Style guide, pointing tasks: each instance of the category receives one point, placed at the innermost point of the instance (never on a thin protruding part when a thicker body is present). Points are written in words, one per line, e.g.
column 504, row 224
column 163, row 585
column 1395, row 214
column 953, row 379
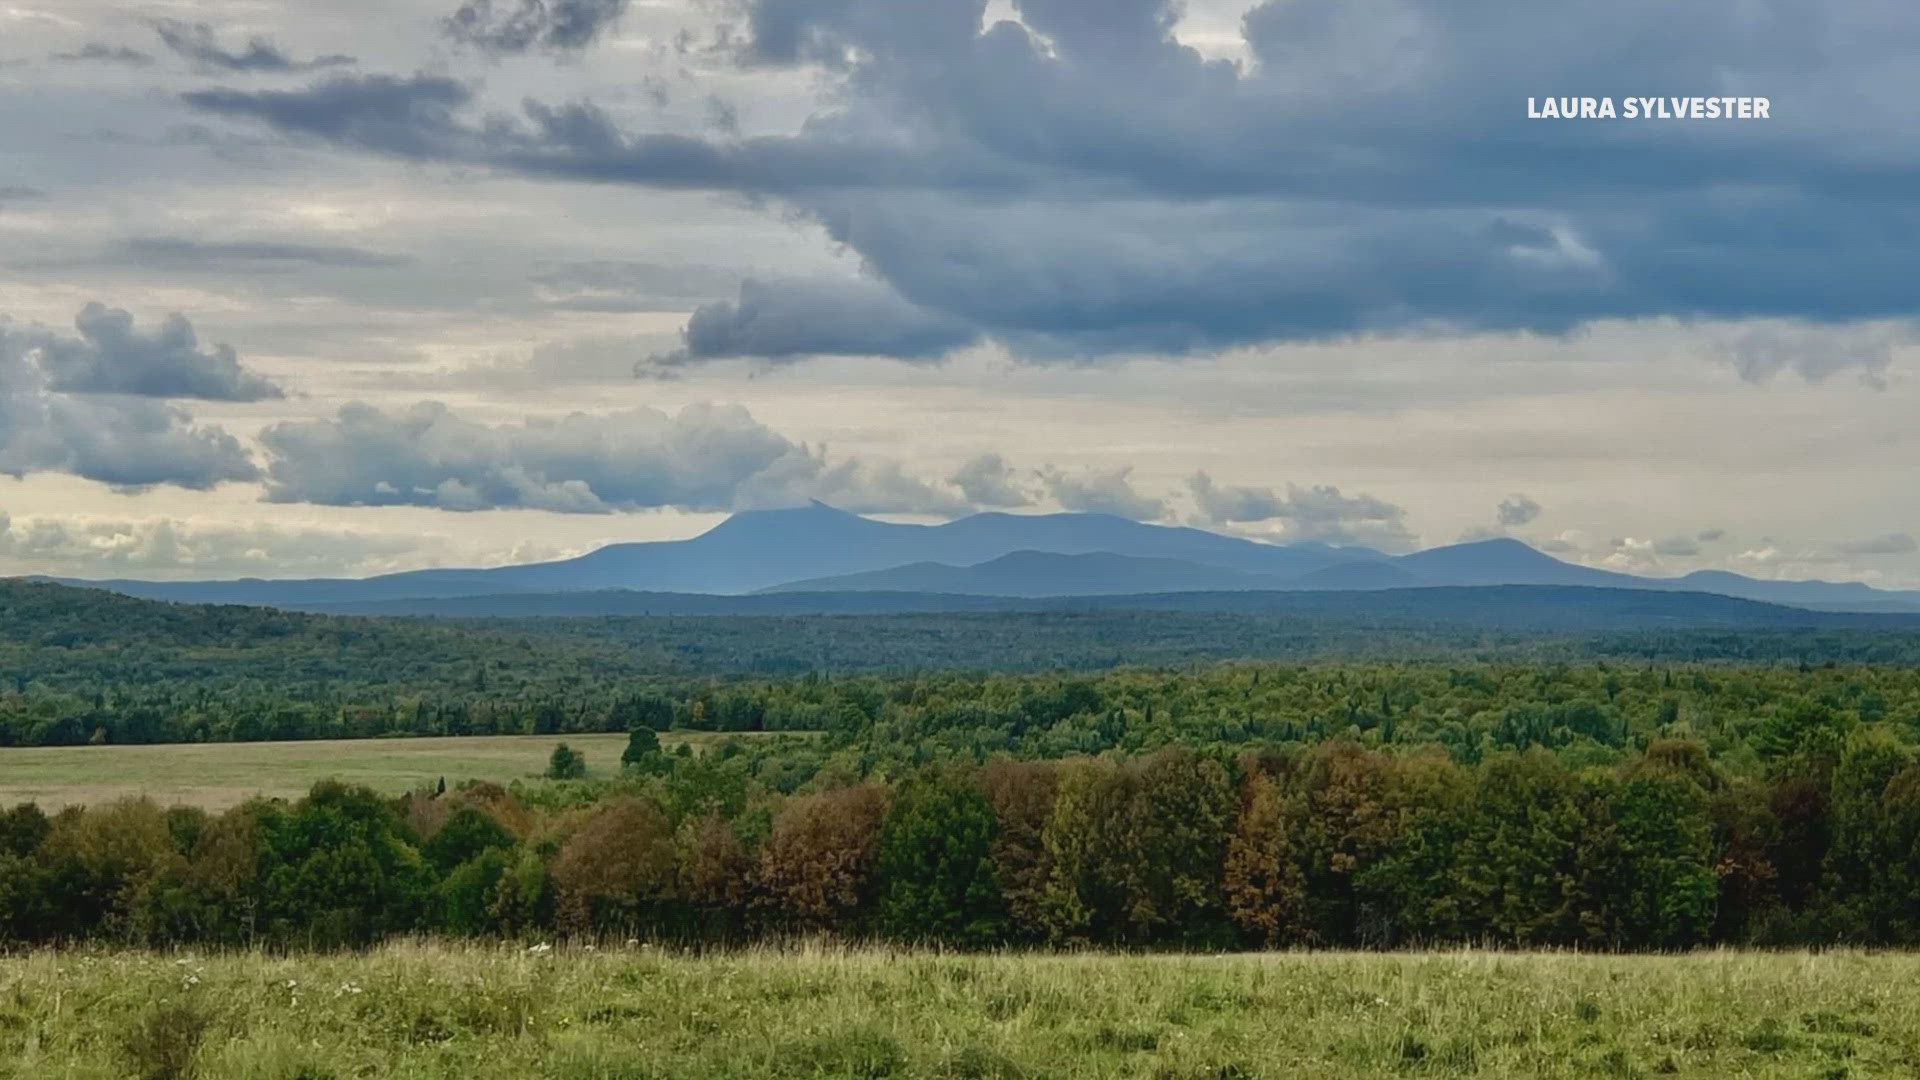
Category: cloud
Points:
column 1517, row 510
column 1816, row 354
column 129, row 444
column 182, row 253
column 532, row 25
column 703, row 458
column 72, row 406
column 1658, row 556
column 579, row 361
column 411, row 117
column 167, row 546
column 103, row 53
column 111, row 357
column 1102, row 491
column 1319, row 512
column 1570, row 542
column 1677, row 547
column 629, row 285
column 1232, row 505
column 196, row 42
column 1080, row 183
column 126, row 443
column 784, row 320
column 858, row 485
column 987, row 480
column 19, row 193
column 1889, row 544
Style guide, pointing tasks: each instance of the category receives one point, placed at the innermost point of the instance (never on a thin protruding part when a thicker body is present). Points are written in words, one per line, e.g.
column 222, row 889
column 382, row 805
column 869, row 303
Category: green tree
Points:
column 1864, row 842
column 1647, row 861
column 338, row 869
column 1518, row 872
column 936, row 865
column 566, row 764
column 643, row 752
column 465, row 834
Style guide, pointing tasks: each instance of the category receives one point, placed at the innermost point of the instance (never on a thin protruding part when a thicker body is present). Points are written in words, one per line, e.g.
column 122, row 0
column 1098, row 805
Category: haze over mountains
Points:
column 820, row 550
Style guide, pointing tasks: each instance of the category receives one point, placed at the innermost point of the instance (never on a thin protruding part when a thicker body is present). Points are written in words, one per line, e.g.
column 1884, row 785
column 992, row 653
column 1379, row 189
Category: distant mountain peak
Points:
column 812, row 512
column 1498, row 543
column 1503, row 547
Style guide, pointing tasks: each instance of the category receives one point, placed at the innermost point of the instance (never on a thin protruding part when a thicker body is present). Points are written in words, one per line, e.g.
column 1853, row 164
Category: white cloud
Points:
column 1101, row 490
column 1319, row 512
column 704, row 458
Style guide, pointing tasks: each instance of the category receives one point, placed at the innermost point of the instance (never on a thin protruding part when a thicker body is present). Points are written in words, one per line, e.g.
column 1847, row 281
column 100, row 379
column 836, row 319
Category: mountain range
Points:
column 817, row 549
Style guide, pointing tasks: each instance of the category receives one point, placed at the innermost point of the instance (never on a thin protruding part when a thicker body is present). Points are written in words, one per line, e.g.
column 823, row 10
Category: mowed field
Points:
column 219, row 775
column 480, row 1013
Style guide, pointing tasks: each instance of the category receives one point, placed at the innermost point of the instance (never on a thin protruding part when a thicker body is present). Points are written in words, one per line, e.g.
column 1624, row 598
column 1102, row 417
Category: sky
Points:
column 292, row 288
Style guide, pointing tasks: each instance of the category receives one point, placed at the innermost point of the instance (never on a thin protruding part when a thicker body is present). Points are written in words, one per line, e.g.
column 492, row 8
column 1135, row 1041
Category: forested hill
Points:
column 80, row 665
column 1557, row 608
column 56, row 637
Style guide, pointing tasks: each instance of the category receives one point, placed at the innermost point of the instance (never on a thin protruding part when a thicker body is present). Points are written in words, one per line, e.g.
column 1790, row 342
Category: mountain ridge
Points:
column 1558, row 608
column 812, row 547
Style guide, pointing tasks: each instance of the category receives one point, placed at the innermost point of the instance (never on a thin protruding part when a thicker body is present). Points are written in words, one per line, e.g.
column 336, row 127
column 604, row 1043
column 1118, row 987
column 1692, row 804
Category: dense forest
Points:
column 79, row 666
column 1334, row 843
column 1666, row 791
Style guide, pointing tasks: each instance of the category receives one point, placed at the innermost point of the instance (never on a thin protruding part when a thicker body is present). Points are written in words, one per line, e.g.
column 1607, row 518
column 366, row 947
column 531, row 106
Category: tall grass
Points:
column 432, row 1010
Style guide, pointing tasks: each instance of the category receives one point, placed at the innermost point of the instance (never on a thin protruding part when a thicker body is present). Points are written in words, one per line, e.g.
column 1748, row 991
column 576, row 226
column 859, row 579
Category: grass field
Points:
column 219, row 775
column 430, row 1011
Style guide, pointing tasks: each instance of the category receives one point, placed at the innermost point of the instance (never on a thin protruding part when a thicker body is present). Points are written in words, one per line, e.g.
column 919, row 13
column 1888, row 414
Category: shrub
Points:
column 566, row 764
column 163, row 1044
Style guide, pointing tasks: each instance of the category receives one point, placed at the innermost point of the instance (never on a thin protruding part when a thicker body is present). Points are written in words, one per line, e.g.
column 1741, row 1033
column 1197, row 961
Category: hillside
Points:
column 761, row 549
column 1045, row 573
column 1539, row 608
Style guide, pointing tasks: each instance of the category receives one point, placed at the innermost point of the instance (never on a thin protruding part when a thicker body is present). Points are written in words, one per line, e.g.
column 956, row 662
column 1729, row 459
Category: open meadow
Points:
column 425, row 1011
column 214, row 776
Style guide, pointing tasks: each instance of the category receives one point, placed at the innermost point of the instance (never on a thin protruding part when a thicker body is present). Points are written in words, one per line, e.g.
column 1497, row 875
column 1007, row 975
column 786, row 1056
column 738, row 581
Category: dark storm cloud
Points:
column 104, row 53
column 126, row 443
column 111, row 356
column 703, row 458
column 73, row 407
column 788, row 319
column 510, row 28
column 182, row 253
column 409, row 117
column 1080, row 183
column 196, row 42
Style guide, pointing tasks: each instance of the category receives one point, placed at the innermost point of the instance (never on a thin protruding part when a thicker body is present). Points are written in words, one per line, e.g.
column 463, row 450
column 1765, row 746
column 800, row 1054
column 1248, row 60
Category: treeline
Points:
column 1599, row 713
column 62, row 647
column 1332, row 844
